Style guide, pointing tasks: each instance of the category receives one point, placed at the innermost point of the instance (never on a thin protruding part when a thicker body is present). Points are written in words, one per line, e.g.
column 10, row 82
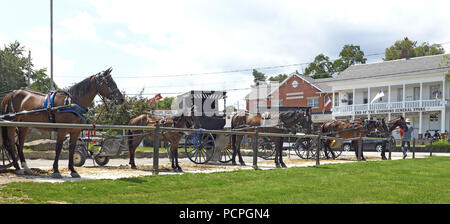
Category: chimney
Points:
column 404, row 53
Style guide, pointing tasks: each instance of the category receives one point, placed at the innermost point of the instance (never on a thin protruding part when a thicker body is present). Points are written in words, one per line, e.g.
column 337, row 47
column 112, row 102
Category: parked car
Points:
column 370, row 145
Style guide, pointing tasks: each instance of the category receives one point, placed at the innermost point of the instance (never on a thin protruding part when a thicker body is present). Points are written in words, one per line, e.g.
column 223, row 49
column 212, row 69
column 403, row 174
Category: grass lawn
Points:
column 397, row 181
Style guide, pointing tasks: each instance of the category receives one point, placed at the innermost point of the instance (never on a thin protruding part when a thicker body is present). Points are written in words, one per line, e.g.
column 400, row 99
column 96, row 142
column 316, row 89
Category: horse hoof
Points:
column 283, row 165
column 57, row 176
column 384, row 158
column 20, row 172
column 233, row 163
column 28, row 172
column 180, row 170
column 133, row 167
column 277, row 165
column 243, row 164
column 75, row 175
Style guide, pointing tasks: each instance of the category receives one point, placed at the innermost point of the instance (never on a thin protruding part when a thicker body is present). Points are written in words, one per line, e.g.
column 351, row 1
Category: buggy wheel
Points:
column 266, row 148
column 226, row 155
column 101, row 160
column 79, row 156
column 303, row 148
column 199, row 147
column 6, row 160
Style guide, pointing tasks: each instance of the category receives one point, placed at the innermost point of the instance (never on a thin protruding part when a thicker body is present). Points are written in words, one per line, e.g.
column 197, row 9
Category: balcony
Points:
column 393, row 107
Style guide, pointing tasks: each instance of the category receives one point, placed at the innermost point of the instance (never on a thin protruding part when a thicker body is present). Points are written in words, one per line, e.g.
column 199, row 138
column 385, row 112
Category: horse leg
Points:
column 72, row 144
column 241, row 160
column 234, row 147
column 383, row 151
column 326, row 144
column 362, row 152
column 277, row 164
column 59, row 142
column 280, row 151
column 9, row 141
column 21, row 139
column 174, row 147
column 133, row 143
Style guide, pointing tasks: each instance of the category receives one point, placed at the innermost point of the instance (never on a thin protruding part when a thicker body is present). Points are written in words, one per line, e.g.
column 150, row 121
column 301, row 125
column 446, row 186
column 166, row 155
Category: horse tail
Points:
column 4, row 130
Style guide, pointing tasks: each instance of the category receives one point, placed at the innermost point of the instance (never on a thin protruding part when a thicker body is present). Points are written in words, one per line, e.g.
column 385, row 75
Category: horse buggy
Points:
column 203, row 109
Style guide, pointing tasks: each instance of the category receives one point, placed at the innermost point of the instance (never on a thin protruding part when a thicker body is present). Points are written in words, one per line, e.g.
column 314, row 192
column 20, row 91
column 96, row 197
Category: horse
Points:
column 81, row 95
column 135, row 137
column 287, row 121
column 353, row 129
column 365, row 128
column 384, row 130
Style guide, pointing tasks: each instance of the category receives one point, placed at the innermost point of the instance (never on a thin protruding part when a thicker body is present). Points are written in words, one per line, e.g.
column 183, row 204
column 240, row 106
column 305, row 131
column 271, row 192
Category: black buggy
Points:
column 203, row 106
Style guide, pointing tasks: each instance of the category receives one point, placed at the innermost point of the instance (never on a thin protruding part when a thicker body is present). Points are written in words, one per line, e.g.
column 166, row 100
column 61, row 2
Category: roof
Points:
column 403, row 67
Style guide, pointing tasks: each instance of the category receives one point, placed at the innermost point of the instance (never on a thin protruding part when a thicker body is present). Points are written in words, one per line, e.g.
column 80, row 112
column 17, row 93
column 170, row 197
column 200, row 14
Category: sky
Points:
column 171, row 47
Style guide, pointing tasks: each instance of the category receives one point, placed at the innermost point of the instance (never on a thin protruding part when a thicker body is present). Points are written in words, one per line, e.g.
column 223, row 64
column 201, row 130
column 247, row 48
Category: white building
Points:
column 416, row 88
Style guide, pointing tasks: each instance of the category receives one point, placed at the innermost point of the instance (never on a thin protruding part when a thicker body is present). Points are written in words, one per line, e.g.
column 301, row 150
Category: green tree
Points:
column 395, row 51
column 165, row 103
column 349, row 55
column 41, row 81
column 321, row 67
column 12, row 66
column 278, row 78
column 258, row 76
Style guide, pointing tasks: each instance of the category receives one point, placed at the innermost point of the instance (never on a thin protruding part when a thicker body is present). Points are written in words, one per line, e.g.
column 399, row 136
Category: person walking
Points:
column 406, row 138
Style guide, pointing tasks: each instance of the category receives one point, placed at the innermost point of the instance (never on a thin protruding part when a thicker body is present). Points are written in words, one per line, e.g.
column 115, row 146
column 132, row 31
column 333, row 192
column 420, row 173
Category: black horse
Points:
column 287, row 122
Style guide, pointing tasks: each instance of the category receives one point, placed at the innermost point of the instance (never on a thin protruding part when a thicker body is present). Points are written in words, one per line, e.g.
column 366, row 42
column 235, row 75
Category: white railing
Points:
column 427, row 104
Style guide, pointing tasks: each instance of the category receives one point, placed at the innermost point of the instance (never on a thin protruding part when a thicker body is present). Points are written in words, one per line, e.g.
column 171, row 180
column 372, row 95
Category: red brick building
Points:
column 296, row 91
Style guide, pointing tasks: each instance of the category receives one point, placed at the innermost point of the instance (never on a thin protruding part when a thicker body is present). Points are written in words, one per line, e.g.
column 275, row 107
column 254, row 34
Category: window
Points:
column 313, row 102
column 350, row 98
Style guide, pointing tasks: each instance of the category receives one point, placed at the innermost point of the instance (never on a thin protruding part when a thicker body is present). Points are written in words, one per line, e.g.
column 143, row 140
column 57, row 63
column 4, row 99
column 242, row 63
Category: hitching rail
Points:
column 157, row 129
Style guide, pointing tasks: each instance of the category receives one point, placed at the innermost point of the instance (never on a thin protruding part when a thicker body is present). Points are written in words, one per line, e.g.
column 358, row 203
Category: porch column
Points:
column 389, row 116
column 353, row 101
column 368, row 99
column 442, row 121
column 420, row 123
column 404, row 92
column 443, row 92
column 389, row 97
column 332, row 103
column 420, row 92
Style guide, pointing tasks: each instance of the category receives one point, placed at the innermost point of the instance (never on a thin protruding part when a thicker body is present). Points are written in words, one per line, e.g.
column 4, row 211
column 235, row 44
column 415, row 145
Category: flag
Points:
column 156, row 98
column 378, row 96
column 327, row 102
column 437, row 93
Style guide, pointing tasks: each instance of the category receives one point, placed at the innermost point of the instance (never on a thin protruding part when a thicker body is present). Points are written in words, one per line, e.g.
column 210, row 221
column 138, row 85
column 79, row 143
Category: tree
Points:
column 258, row 76
column 41, row 81
column 321, row 67
column 350, row 55
column 12, row 66
column 395, row 51
column 278, row 78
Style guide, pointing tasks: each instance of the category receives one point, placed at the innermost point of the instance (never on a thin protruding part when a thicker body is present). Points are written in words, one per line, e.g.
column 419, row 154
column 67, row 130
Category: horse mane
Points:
column 80, row 89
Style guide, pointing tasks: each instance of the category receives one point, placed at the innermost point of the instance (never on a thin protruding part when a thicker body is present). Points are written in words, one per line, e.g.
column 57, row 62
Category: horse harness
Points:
column 72, row 107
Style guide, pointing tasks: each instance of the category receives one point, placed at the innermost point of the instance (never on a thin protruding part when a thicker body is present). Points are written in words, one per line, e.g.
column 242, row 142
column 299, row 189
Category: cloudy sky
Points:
column 146, row 41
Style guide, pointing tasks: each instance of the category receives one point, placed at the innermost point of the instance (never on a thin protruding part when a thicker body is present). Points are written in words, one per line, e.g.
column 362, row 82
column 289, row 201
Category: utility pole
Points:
column 29, row 68
column 51, row 44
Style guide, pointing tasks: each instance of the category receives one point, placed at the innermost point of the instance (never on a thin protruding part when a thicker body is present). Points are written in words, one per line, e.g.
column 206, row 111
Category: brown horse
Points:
column 359, row 127
column 81, row 94
column 173, row 138
column 287, row 121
